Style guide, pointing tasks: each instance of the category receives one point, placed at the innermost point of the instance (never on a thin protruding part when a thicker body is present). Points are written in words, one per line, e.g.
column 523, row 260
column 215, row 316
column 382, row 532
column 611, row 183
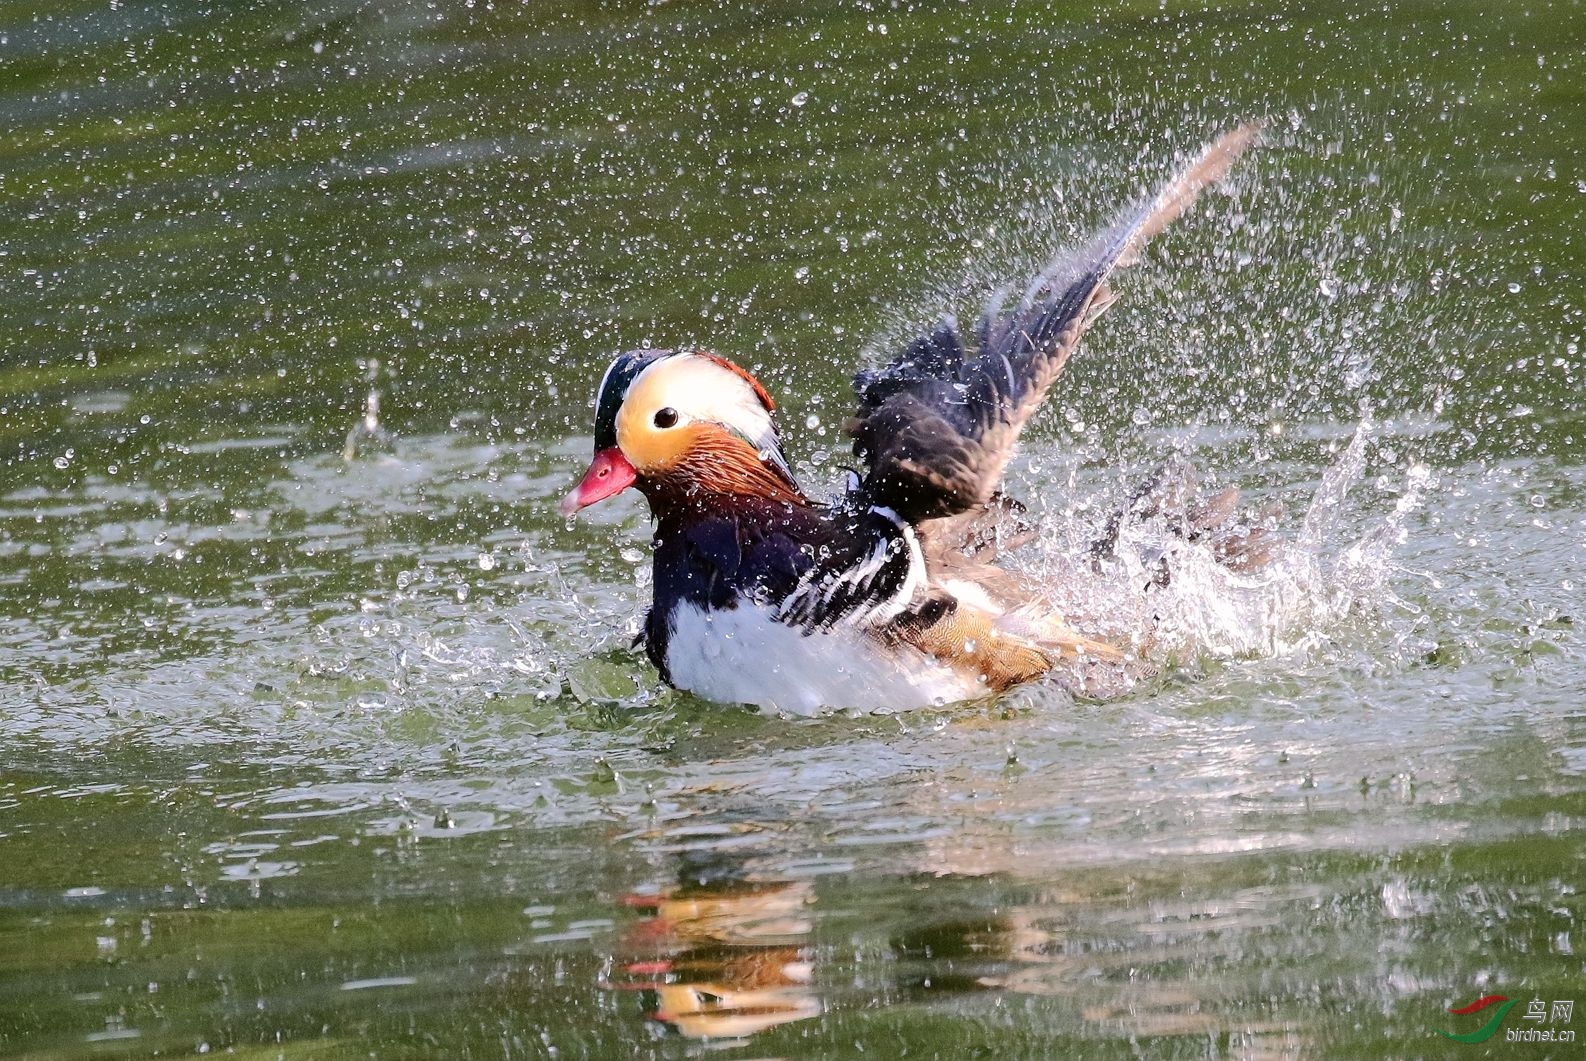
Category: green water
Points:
column 308, row 757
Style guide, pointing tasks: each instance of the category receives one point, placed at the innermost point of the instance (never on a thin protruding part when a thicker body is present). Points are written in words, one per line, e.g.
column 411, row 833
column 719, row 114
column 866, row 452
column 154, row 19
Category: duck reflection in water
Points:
column 723, row 958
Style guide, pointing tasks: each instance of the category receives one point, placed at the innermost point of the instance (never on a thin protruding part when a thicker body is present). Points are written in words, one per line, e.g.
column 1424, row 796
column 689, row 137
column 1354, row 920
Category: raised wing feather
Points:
column 937, row 425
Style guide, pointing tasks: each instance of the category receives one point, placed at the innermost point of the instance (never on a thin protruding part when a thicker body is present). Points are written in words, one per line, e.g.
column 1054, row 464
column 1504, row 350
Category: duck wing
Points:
column 937, row 425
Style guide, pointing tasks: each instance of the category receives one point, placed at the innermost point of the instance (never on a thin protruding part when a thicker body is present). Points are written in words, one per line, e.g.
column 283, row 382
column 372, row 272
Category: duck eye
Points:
column 666, row 417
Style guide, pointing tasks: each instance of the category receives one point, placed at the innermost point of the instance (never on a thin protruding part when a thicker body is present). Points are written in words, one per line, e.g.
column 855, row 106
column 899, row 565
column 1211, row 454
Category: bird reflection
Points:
column 723, row 958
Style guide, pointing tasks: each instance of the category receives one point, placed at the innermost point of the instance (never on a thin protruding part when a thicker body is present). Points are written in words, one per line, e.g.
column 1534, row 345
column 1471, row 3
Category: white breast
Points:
column 743, row 655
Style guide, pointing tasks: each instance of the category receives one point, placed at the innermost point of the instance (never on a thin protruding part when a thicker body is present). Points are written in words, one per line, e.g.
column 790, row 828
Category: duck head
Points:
column 679, row 425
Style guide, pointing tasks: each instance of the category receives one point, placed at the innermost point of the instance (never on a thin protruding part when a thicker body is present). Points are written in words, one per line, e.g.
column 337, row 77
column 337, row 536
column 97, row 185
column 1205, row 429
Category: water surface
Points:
column 315, row 757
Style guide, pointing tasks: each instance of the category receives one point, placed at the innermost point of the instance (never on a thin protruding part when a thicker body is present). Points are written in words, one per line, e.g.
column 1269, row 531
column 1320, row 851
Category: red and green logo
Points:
column 1486, row 1031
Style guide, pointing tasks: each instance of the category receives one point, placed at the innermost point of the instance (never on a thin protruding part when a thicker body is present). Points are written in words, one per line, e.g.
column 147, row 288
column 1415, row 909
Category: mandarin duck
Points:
column 888, row 597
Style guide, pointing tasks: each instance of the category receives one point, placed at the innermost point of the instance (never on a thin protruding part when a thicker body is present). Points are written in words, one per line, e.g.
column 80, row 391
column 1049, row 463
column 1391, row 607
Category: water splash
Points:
column 369, row 437
column 1184, row 596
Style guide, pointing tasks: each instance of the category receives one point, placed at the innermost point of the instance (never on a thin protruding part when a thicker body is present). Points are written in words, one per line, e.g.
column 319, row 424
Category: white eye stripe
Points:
column 699, row 389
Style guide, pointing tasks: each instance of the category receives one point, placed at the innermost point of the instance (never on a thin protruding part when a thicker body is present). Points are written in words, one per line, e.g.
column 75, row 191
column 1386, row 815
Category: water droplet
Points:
column 487, row 562
column 801, row 99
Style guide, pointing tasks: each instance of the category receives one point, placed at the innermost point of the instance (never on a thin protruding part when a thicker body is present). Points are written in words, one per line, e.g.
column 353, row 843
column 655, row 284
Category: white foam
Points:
column 1206, row 609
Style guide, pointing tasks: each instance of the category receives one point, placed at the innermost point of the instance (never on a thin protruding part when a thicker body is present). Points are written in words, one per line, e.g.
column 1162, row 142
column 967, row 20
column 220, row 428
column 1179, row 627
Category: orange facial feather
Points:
column 714, row 460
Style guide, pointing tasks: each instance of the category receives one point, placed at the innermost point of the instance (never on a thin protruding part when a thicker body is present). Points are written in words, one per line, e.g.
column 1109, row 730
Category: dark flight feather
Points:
column 937, row 425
